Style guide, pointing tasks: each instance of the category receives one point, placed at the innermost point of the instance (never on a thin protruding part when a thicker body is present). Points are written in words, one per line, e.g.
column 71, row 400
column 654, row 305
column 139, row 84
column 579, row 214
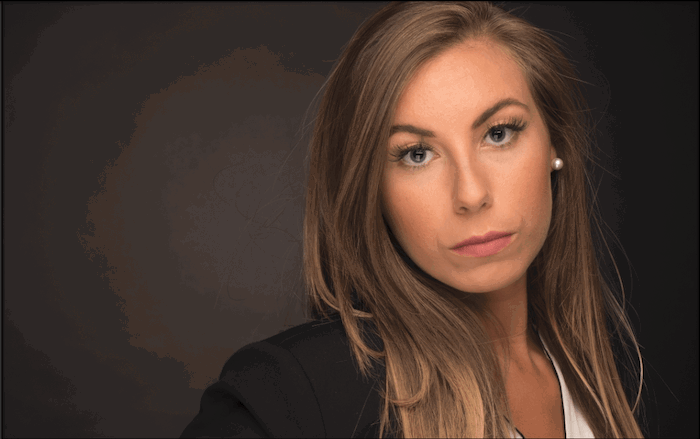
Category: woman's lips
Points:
column 488, row 248
column 490, row 236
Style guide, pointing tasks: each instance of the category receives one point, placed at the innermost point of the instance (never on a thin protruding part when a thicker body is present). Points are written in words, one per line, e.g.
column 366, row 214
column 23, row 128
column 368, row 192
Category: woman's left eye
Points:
column 498, row 131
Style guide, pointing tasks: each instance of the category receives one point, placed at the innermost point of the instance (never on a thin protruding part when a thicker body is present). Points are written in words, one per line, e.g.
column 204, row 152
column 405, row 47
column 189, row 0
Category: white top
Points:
column 575, row 424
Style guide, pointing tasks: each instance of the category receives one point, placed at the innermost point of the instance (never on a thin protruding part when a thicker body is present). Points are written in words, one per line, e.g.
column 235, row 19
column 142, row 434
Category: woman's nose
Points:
column 470, row 187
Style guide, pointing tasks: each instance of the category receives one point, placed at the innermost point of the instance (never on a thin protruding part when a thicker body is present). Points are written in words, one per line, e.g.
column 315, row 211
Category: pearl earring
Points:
column 557, row 164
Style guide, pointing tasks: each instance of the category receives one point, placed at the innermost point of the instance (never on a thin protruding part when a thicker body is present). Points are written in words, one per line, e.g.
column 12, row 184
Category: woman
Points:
column 448, row 249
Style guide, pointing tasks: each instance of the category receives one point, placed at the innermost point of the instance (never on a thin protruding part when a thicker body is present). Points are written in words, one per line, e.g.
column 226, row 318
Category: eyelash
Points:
column 515, row 124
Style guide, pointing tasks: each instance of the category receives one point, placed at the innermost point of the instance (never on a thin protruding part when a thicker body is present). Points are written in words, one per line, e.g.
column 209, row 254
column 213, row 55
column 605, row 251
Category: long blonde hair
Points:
column 443, row 378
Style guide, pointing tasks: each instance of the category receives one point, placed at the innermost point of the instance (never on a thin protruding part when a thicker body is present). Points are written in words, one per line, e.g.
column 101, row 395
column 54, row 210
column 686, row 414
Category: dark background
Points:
column 153, row 171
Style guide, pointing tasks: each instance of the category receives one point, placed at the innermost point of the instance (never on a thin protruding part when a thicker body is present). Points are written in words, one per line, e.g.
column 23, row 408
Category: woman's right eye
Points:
column 418, row 154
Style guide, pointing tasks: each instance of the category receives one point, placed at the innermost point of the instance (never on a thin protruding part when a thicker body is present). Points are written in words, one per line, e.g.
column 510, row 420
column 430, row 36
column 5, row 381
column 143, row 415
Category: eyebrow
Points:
column 486, row 115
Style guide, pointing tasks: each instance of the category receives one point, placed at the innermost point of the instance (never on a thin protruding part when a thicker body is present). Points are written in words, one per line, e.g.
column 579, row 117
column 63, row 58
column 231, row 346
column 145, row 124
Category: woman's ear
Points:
column 552, row 156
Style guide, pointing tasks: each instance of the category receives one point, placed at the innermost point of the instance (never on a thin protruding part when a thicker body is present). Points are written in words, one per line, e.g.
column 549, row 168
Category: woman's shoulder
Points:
column 302, row 382
column 303, row 341
column 311, row 344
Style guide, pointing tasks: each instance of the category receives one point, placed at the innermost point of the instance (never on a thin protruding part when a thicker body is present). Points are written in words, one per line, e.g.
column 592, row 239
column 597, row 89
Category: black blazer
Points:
column 301, row 382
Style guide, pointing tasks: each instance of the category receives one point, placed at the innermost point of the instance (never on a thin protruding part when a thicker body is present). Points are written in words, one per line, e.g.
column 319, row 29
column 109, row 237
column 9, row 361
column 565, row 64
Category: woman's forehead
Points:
column 464, row 77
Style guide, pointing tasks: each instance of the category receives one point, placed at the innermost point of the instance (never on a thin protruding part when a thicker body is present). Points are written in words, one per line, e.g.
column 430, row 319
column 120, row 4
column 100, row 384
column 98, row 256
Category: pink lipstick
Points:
column 482, row 246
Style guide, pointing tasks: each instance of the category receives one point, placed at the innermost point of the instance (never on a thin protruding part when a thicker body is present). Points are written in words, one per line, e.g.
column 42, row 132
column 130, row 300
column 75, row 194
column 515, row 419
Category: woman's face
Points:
column 475, row 180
